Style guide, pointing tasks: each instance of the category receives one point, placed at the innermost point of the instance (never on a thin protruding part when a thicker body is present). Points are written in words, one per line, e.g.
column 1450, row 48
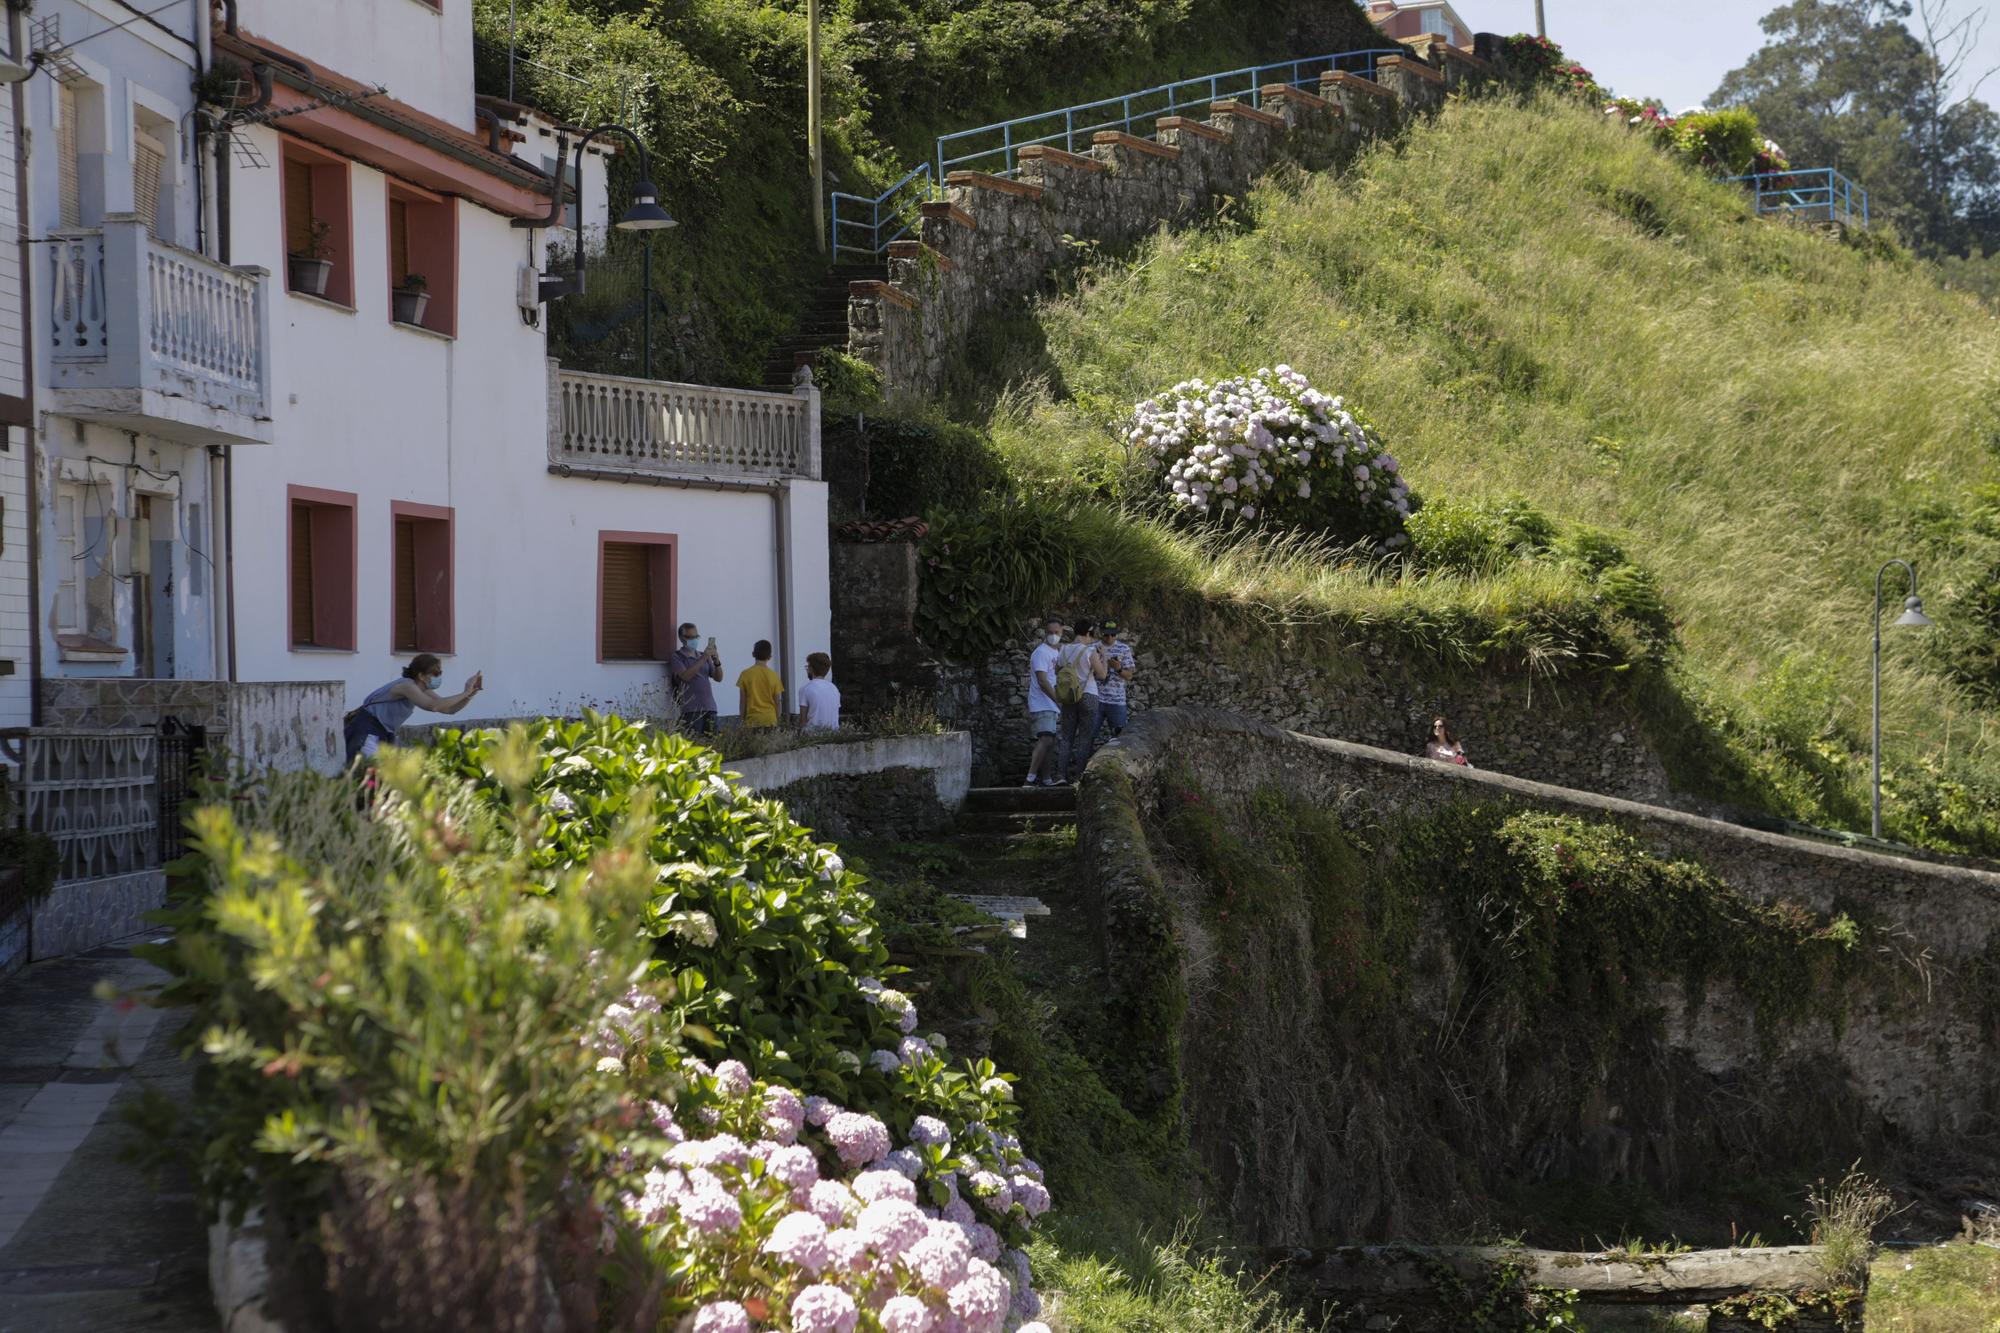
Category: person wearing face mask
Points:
column 1042, row 707
column 693, row 671
column 383, row 713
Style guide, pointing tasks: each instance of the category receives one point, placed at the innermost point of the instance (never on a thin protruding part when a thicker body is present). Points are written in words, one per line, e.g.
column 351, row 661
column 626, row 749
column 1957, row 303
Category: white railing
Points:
column 204, row 316
column 149, row 336
column 694, row 431
column 76, row 299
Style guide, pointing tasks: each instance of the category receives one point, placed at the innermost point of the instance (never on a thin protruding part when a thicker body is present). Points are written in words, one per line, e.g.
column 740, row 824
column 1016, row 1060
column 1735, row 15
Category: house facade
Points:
column 294, row 422
column 436, row 484
column 1403, row 21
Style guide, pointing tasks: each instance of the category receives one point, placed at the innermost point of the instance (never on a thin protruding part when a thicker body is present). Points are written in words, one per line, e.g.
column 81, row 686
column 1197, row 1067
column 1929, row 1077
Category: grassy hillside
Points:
column 1529, row 301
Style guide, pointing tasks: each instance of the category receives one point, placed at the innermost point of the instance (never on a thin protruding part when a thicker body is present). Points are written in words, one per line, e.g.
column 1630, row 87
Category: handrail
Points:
column 1088, row 118
column 856, row 234
column 875, row 244
column 1819, row 191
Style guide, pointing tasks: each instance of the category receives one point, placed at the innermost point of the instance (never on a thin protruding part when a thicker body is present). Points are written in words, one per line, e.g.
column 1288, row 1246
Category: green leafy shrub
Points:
column 987, row 573
column 1726, row 141
column 1528, row 531
column 1451, row 535
column 846, row 383
column 1536, row 61
column 1634, row 593
column 392, row 1039
column 920, row 464
column 1593, row 550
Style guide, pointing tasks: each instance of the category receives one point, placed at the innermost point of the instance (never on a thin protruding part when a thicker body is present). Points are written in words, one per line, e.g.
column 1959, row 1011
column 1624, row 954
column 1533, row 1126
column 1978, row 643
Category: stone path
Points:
column 88, row 1243
column 999, row 815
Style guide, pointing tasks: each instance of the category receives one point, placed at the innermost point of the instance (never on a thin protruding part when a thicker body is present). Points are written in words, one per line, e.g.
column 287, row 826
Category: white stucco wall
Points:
column 16, row 625
column 420, row 51
column 366, row 406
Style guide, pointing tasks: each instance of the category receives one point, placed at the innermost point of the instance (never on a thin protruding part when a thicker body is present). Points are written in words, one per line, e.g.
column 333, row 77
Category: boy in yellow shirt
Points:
column 761, row 688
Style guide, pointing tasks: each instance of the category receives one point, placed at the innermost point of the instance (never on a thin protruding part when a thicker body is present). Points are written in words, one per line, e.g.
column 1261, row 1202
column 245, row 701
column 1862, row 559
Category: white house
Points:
column 147, row 353
column 435, row 484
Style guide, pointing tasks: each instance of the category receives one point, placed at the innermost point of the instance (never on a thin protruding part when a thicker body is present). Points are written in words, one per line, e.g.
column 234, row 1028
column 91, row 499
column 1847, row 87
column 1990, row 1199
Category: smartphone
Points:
column 711, row 643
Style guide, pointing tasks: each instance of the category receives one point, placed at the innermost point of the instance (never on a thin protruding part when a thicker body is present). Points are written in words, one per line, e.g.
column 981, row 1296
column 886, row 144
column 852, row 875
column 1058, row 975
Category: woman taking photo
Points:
column 383, row 713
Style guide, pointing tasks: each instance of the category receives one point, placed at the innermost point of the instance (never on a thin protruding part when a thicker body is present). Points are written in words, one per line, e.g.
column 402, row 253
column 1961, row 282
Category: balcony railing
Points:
column 151, row 337
column 614, row 424
column 1818, row 194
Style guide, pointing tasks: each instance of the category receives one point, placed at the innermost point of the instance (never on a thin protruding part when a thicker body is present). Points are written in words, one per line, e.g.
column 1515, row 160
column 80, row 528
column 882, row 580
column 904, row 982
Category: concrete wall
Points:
column 16, row 613
column 270, row 724
column 420, row 50
column 895, row 787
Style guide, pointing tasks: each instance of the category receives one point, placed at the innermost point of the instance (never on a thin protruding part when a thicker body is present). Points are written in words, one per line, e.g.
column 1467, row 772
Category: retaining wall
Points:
column 898, row 786
column 993, row 240
column 1914, row 1062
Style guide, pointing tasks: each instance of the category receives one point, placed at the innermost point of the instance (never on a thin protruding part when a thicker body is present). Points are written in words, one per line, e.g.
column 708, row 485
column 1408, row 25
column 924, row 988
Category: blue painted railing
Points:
column 858, row 227
column 859, row 223
column 1819, row 193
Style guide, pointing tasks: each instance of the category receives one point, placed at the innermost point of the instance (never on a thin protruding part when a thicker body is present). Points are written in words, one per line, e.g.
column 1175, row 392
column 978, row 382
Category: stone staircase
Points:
column 824, row 324
column 997, row 822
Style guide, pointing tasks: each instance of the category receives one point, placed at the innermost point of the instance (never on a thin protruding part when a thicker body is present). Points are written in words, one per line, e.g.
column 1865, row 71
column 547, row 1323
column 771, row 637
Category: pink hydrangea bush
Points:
column 1269, row 447
column 761, row 1209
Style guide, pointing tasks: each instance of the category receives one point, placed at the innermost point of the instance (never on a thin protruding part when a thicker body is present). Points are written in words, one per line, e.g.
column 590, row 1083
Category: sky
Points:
column 1675, row 50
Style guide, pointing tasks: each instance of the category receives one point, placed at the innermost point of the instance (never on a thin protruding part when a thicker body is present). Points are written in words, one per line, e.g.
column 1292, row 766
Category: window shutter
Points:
column 626, row 603
column 298, row 205
column 149, row 160
column 406, row 586
column 66, row 159
column 399, row 242
column 302, row 575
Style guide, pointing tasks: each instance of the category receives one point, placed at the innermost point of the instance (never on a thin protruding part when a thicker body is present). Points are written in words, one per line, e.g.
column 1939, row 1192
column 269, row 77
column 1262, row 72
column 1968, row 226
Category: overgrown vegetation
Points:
column 1754, row 409
column 458, row 1047
column 1939, row 1289
column 717, row 90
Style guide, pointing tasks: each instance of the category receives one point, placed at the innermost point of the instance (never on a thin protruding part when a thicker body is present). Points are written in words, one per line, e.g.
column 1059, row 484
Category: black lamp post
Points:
column 645, row 215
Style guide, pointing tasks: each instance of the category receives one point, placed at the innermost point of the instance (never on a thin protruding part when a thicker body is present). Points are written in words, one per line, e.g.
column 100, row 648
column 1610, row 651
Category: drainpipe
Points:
column 30, row 459
column 221, row 584
column 781, row 496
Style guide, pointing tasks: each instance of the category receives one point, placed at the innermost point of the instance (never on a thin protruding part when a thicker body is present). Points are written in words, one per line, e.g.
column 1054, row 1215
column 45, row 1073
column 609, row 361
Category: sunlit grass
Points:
column 1944, row 1289
column 1528, row 299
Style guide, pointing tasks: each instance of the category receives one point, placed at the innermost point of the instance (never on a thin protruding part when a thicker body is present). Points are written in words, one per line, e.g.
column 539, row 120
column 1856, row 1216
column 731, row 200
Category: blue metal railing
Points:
column 859, row 222
column 1819, row 193
column 858, row 229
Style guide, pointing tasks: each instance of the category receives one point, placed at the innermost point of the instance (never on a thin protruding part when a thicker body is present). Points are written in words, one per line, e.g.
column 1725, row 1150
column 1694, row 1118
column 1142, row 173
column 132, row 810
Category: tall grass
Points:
column 1527, row 299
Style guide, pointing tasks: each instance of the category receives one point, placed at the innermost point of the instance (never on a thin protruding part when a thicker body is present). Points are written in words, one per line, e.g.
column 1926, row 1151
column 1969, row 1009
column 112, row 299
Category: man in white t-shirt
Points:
column 819, row 698
column 1042, row 708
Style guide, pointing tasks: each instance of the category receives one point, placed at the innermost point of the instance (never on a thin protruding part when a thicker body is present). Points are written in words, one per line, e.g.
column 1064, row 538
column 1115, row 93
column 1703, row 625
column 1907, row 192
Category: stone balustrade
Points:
column 617, row 425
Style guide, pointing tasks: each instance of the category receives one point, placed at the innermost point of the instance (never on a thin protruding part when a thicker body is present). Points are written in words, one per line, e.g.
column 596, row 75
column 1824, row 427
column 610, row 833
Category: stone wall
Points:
column 994, row 239
column 1913, row 1065
column 876, row 653
column 1577, row 734
column 895, row 787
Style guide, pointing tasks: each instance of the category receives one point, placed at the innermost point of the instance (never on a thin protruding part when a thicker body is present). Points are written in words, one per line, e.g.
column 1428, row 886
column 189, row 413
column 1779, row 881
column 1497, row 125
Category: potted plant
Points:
column 410, row 297
column 310, row 267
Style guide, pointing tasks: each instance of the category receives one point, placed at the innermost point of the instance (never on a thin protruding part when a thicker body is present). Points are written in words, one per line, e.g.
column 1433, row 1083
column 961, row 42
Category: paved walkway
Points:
column 88, row 1242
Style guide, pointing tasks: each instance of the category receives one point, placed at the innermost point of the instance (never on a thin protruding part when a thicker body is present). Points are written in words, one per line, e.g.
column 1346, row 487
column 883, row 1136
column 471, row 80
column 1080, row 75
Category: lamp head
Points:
column 13, row 71
column 645, row 214
column 1913, row 614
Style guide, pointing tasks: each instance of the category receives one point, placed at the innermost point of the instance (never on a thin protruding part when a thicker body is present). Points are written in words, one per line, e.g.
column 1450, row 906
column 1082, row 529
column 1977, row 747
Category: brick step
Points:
column 1016, row 821
column 1011, row 800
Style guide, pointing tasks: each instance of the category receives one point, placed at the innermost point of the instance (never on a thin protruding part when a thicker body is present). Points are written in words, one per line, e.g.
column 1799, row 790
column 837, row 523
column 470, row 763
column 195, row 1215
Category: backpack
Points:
column 1069, row 680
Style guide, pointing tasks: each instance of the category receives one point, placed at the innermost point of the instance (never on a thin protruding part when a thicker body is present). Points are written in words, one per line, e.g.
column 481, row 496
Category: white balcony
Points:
column 614, row 426
column 149, row 337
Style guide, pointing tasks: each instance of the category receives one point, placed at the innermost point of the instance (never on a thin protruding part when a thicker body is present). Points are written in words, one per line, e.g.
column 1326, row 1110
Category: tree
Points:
column 1848, row 84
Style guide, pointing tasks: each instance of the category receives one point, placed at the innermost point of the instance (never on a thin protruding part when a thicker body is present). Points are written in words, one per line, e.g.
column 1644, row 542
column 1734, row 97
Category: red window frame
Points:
column 430, row 245
column 332, row 203
column 436, row 577
column 662, row 574
column 335, row 554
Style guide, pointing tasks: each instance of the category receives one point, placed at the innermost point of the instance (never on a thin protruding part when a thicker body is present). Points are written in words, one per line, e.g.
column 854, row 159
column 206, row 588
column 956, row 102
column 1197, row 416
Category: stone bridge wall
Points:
column 1914, row 1062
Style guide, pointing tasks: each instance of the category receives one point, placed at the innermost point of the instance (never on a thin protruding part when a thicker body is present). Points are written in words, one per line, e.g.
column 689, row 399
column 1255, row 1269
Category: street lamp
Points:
column 1913, row 617
column 645, row 215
